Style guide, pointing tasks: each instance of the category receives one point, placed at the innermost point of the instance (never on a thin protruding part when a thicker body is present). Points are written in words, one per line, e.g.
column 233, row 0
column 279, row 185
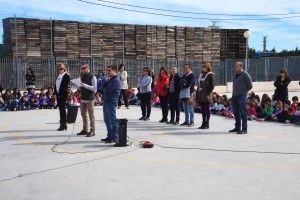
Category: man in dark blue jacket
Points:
column 187, row 94
column 111, row 93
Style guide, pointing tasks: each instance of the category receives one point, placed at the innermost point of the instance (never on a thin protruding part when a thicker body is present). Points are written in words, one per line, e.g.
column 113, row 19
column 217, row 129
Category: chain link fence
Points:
column 12, row 70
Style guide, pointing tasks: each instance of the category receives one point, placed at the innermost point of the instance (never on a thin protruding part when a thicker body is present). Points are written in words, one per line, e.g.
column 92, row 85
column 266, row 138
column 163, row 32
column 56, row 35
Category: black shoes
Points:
column 204, row 125
column 175, row 123
column 234, row 131
column 107, row 140
column 241, row 132
column 184, row 124
column 190, row 124
column 91, row 134
column 170, row 122
column 163, row 121
column 62, row 127
column 146, row 119
column 142, row 118
column 238, row 131
column 82, row 133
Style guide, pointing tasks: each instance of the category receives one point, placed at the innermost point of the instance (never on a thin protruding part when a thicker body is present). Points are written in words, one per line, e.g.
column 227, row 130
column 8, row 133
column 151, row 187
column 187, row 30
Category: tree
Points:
column 1, row 50
column 251, row 53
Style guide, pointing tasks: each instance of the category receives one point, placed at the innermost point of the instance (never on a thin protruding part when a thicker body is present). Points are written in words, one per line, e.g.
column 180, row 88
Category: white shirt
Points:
column 58, row 81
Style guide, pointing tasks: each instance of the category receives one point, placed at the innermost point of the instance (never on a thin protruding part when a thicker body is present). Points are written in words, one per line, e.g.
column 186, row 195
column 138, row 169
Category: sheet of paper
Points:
column 76, row 81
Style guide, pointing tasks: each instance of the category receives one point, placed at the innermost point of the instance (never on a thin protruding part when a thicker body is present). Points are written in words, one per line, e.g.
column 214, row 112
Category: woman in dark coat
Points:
column 204, row 93
column 61, row 91
column 30, row 79
column 281, row 84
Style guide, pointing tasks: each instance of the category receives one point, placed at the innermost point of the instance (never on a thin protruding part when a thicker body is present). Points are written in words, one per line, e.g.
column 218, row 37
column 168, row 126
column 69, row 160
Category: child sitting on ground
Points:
column 285, row 115
column 43, row 101
column 251, row 110
column 266, row 112
column 277, row 110
column 24, row 102
column 295, row 102
column 155, row 100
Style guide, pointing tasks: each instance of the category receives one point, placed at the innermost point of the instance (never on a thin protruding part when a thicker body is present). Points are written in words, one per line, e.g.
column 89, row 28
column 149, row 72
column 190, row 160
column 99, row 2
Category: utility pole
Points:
column 264, row 43
column 16, row 52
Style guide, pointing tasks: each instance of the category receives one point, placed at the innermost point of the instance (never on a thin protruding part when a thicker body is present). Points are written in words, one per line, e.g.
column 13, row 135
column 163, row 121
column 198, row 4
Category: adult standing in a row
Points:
column 88, row 88
column 204, row 93
column 281, row 84
column 242, row 84
column 174, row 100
column 162, row 93
column 124, row 86
column 145, row 93
column 61, row 92
column 111, row 93
column 187, row 95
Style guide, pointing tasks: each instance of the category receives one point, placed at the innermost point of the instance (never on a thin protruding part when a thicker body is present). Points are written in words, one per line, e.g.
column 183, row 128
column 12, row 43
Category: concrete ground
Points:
column 211, row 164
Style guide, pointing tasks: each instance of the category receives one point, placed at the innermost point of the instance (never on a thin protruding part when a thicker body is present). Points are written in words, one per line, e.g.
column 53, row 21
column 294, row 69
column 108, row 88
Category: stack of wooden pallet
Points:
column 72, row 39
column 215, row 44
column 207, row 36
column 180, row 43
column 108, row 39
column 141, row 42
column 161, row 37
column 97, row 42
column 115, row 41
column 84, row 35
column 45, row 36
column 198, row 44
column 130, row 48
column 119, row 41
column 151, row 41
column 171, row 43
column 60, row 38
column 190, row 43
column 33, row 43
column 14, row 29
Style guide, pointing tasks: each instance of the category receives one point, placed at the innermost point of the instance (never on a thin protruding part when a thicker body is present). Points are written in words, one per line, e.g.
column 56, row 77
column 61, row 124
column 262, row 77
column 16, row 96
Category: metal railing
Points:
column 12, row 70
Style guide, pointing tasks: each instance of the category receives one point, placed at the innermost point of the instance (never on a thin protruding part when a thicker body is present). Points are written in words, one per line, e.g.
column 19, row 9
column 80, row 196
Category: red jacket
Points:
column 162, row 85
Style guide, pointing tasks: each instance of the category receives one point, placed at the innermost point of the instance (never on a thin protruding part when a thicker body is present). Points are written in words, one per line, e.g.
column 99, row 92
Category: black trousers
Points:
column 164, row 106
column 145, row 99
column 123, row 94
column 205, row 111
column 61, row 103
column 174, row 102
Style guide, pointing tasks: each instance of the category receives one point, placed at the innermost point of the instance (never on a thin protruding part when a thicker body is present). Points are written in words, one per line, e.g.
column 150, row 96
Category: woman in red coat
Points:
column 162, row 91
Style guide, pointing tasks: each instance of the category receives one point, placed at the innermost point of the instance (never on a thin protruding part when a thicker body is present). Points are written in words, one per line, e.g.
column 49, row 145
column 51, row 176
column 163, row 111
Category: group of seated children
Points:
column 264, row 109
column 13, row 100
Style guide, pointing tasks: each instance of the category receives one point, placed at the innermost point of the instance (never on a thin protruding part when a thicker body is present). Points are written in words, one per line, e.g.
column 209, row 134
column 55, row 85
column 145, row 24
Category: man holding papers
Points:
column 88, row 88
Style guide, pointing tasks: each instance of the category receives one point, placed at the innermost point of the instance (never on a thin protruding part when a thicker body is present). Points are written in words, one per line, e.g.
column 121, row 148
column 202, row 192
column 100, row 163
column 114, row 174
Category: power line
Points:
column 187, row 17
column 199, row 13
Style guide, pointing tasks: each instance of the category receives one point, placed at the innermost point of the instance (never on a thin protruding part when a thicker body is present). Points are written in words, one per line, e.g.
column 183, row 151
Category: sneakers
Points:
column 91, row 134
column 190, row 124
column 83, row 133
column 146, row 119
column 184, row 124
column 107, row 140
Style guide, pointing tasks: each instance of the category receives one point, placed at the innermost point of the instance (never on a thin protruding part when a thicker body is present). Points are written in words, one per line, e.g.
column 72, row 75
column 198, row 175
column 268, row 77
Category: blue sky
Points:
column 281, row 33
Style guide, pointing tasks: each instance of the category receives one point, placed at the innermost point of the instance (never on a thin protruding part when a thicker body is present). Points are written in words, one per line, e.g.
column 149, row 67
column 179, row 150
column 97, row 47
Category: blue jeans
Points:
column 188, row 111
column 239, row 104
column 110, row 119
